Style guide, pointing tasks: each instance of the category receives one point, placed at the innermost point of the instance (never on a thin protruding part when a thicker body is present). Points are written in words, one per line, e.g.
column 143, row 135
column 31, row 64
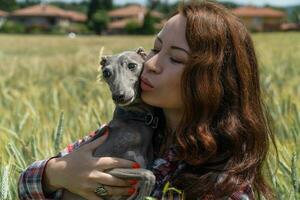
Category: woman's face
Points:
column 164, row 66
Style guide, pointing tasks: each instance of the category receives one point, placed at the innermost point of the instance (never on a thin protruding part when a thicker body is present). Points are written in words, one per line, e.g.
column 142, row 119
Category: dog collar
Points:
column 147, row 117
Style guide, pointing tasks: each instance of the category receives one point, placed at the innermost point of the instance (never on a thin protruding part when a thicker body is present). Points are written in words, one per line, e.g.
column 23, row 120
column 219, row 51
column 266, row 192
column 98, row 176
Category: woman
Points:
column 202, row 74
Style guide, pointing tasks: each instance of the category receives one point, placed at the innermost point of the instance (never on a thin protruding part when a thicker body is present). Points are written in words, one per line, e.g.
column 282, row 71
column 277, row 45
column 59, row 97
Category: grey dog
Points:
column 132, row 126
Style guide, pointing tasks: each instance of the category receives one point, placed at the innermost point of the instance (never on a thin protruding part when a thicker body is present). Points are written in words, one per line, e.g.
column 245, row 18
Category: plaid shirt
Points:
column 30, row 181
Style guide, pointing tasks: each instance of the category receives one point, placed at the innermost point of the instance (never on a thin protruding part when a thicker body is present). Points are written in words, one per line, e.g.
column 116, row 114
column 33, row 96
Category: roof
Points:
column 39, row 10
column 76, row 16
column 3, row 13
column 252, row 11
column 132, row 10
column 119, row 24
column 49, row 10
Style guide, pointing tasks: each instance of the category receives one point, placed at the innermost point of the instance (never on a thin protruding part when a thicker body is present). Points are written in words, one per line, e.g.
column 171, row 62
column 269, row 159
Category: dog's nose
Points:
column 119, row 97
column 106, row 73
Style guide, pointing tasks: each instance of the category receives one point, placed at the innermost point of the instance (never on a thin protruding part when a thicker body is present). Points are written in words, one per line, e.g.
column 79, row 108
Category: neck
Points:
column 137, row 106
column 173, row 117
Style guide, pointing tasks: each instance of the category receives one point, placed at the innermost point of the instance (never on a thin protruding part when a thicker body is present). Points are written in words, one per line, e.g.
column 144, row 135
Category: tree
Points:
column 148, row 25
column 96, row 5
column 99, row 21
column 149, row 21
column 229, row 4
column 133, row 27
column 8, row 5
column 294, row 14
column 152, row 4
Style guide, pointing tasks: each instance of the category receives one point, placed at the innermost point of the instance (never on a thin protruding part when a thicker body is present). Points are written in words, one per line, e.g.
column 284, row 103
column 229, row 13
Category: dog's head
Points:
column 122, row 74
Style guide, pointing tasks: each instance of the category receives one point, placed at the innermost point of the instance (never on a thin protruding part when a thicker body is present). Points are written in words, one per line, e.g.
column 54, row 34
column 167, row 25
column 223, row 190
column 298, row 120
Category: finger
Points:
column 105, row 163
column 111, row 180
column 115, row 191
column 96, row 143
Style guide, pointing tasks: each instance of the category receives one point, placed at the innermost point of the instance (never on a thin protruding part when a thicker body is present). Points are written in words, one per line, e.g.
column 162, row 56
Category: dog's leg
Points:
column 146, row 183
column 146, row 178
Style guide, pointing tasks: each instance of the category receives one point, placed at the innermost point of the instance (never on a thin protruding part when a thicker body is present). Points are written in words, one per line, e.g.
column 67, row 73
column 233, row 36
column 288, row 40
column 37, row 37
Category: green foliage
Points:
column 43, row 75
column 99, row 21
column 4, row 183
column 148, row 26
column 73, row 27
column 295, row 14
column 58, row 133
column 12, row 27
column 96, row 5
column 8, row 5
column 133, row 27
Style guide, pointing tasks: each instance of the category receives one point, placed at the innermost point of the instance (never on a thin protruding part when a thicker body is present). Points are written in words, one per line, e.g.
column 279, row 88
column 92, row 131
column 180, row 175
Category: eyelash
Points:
column 173, row 60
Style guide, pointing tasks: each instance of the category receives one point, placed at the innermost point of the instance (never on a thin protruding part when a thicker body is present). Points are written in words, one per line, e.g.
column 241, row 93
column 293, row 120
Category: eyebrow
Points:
column 173, row 47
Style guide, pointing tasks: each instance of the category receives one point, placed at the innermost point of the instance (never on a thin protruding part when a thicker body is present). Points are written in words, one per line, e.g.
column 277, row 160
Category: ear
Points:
column 103, row 61
column 141, row 52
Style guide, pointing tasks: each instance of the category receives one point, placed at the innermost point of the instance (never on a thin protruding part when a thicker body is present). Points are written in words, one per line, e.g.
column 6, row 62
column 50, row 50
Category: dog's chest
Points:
column 124, row 138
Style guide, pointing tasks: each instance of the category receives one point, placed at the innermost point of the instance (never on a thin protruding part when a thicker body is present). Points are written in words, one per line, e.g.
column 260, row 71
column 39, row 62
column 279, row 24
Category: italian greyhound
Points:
column 132, row 126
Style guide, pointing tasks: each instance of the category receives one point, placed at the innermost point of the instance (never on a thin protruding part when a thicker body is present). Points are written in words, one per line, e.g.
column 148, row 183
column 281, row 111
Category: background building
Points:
column 43, row 16
column 3, row 16
column 260, row 19
column 120, row 17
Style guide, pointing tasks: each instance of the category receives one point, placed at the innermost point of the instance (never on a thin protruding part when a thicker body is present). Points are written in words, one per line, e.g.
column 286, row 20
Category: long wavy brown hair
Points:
column 225, row 131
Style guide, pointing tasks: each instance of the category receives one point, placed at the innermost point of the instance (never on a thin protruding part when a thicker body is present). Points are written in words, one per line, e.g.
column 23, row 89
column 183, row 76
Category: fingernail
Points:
column 136, row 165
column 133, row 181
column 131, row 191
column 106, row 133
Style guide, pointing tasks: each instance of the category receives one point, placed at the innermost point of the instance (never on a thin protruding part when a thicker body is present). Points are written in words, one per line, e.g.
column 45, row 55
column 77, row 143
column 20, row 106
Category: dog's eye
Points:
column 132, row 66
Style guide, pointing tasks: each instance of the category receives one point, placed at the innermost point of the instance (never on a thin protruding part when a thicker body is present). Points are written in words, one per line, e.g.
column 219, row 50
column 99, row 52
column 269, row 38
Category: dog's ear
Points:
column 141, row 52
column 103, row 61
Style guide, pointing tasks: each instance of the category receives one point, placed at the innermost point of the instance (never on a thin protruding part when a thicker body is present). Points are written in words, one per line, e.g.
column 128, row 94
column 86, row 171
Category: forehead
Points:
column 129, row 55
column 173, row 31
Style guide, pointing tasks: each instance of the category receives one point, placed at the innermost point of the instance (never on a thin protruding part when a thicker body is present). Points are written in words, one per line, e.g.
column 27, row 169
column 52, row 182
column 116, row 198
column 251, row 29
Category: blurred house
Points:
column 260, row 19
column 45, row 17
column 3, row 16
column 290, row 27
column 121, row 16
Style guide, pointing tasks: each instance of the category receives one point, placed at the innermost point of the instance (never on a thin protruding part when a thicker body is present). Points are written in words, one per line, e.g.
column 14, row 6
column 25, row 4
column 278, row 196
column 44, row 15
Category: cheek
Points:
column 168, row 95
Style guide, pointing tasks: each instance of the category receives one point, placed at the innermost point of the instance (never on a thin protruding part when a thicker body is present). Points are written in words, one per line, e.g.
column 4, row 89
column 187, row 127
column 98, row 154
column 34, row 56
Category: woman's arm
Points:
column 33, row 183
column 30, row 183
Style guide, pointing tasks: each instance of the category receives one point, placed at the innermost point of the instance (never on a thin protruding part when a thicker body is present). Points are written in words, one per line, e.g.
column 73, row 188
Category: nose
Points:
column 119, row 97
column 106, row 73
column 152, row 64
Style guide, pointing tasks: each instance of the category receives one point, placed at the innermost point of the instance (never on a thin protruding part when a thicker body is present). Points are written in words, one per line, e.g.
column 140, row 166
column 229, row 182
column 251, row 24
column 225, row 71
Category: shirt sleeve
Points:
column 30, row 180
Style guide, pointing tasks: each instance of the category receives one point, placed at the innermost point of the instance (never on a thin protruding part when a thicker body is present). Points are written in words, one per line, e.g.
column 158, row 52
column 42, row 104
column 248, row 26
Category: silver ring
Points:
column 100, row 190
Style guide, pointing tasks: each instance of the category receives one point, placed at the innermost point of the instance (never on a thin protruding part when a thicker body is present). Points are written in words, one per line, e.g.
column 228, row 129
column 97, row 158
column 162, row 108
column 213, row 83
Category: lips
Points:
column 146, row 82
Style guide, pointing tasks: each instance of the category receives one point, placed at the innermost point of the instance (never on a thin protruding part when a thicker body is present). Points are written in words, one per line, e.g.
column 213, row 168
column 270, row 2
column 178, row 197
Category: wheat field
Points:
column 50, row 96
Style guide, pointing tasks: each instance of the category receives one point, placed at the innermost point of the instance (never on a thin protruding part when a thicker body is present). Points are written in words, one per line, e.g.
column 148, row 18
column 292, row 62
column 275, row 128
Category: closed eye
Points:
column 154, row 50
column 172, row 59
column 175, row 61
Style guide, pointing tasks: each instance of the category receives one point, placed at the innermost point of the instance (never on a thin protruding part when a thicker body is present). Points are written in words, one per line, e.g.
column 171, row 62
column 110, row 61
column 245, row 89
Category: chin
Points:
column 148, row 99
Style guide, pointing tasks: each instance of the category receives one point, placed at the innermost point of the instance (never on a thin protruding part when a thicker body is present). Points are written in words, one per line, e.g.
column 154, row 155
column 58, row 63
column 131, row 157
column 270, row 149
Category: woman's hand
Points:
column 79, row 172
